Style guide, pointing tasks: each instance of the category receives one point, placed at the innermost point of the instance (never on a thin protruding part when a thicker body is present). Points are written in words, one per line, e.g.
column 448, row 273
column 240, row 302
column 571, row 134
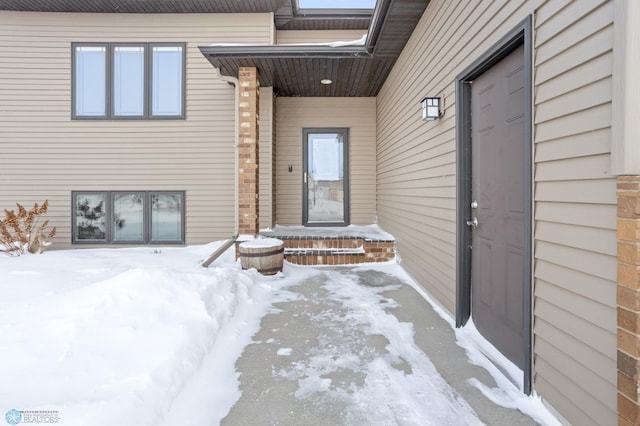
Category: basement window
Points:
column 128, row 80
column 128, row 217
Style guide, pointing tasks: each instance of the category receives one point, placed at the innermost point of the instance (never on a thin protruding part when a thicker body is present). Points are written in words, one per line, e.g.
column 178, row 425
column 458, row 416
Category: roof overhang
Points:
column 287, row 15
column 297, row 70
column 286, row 51
column 292, row 70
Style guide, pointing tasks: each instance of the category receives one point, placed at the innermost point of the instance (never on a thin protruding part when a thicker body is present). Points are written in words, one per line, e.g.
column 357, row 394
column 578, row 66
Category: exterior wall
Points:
column 46, row 155
column 625, row 109
column 294, row 114
column 628, row 300
column 575, row 213
column 575, row 195
column 274, row 157
column 248, row 151
column 265, row 163
column 327, row 36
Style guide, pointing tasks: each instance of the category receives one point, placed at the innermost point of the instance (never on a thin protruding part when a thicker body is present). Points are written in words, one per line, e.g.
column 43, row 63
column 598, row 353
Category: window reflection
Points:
column 166, row 217
column 90, row 217
column 128, row 217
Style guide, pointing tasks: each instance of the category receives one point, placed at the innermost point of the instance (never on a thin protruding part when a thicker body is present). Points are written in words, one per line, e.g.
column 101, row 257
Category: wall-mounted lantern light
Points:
column 431, row 109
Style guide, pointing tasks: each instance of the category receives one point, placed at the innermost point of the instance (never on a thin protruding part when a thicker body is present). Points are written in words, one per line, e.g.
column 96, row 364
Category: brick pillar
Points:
column 248, row 108
column 628, row 296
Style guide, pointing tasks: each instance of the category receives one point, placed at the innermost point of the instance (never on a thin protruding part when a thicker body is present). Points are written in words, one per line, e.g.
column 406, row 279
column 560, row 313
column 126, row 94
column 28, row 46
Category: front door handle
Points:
column 473, row 222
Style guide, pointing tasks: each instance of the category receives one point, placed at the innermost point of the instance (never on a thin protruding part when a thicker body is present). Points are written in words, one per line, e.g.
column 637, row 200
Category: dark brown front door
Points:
column 498, row 205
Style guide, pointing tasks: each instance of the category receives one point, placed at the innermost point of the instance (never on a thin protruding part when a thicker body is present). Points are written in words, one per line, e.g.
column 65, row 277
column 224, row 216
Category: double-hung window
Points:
column 128, row 80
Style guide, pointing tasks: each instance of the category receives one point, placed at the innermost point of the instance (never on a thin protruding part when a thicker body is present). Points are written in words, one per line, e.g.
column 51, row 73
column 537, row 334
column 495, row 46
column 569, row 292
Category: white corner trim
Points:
column 625, row 115
column 236, row 136
column 272, row 29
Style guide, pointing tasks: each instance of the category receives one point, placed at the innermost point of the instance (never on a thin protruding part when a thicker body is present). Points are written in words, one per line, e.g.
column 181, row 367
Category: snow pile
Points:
column 338, row 43
column 146, row 336
column 262, row 243
column 358, row 42
column 481, row 352
column 368, row 232
column 112, row 336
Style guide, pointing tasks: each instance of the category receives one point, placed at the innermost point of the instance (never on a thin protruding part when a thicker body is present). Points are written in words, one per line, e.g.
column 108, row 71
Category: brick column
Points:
column 628, row 296
column 248, row 108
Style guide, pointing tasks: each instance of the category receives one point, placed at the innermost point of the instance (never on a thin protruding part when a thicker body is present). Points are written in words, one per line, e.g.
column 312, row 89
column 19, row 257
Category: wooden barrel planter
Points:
column 264, row 254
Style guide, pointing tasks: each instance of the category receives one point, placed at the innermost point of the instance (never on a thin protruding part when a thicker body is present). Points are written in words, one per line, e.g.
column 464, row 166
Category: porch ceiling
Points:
column 296, row 70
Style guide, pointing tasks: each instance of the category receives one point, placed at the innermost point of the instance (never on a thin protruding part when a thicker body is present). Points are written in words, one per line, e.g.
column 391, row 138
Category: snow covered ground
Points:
column 132, row 336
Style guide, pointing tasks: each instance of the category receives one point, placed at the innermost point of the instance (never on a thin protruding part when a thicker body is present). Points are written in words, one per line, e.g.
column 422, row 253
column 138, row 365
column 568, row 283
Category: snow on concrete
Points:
column 390, row 381
column 482, row 353
column 508, row 393
column 285, row 351
column 147, row 336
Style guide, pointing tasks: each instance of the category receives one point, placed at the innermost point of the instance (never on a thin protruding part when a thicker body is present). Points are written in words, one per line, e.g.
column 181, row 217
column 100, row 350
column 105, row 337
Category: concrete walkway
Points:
column 313, row 356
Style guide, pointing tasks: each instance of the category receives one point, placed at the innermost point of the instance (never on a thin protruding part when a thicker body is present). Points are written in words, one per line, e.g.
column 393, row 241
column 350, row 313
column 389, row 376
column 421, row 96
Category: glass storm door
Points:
column 325, row 177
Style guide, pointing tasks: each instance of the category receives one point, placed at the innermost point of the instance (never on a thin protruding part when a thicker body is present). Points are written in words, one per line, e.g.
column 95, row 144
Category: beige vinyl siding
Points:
column 46, row 155
column 265, row 161
column 575, row 204
column 274, row 158
column 324, row 36
column 575, row 329
column 294, row 114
